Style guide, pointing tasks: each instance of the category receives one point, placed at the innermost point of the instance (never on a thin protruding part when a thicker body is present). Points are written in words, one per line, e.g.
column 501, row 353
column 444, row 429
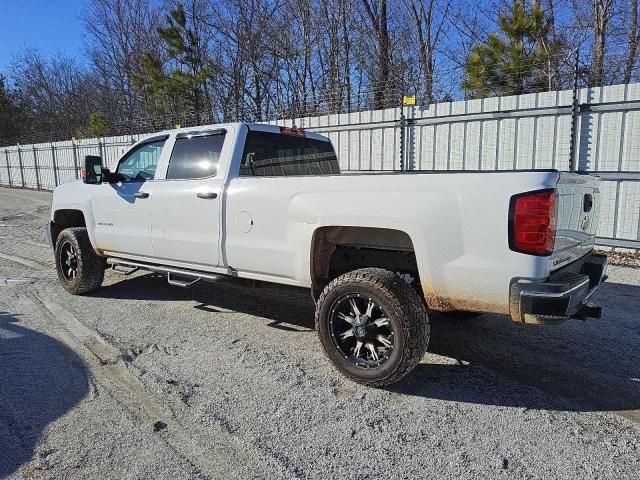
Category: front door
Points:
column 185, row 214
column 122, row 210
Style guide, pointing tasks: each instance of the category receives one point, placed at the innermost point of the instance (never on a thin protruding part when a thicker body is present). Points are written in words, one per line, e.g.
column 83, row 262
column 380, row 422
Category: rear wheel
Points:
column 372, row 326
column 79, row 269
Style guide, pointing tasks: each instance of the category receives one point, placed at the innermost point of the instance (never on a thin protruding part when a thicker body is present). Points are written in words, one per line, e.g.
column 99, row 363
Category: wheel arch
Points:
column 338, row 249
column 66, row 218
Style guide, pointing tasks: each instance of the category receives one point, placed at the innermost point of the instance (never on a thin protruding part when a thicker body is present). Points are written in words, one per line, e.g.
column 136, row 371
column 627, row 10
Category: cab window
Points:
column 139, row 165
column 195, row 156
column 273, row 154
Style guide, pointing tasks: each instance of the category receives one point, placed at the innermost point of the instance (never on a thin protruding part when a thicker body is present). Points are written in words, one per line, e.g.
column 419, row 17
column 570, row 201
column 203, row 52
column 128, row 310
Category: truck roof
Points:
column 262, row 127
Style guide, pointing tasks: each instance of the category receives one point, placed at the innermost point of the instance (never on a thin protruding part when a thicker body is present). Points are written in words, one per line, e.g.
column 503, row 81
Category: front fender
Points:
column 75, row 196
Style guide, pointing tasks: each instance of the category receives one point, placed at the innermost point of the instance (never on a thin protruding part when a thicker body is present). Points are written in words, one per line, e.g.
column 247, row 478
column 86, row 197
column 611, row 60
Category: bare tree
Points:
column 428, row 30
column 602, row 11
column 547, row 38
column 295, row 37
column 200, row 37
column 58, row 94
column 119, row 33
column 379, row 23
column 634, row 40
column 334, row 54
column 246, row 37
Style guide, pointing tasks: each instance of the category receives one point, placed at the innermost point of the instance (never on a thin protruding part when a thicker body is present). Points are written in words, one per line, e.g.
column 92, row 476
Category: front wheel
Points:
column 372, row 325
column 79, row 269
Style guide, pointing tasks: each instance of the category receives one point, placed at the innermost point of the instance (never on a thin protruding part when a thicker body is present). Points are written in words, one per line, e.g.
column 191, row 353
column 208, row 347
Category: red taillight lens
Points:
column 532, row 222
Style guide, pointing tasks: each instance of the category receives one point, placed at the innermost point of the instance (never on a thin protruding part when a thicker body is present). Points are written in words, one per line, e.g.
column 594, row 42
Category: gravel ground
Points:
column 145, row 380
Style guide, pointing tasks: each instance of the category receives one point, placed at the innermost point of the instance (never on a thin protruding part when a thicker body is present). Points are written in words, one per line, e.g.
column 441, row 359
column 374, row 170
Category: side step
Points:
column 127, row 267
column 181, row 283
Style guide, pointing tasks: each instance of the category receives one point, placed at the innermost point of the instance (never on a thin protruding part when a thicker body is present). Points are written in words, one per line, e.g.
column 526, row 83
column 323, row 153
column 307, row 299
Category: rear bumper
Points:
column 564, row 295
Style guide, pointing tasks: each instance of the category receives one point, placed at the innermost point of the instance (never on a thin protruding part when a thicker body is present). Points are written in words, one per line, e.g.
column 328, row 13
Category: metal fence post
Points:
column 402, row 136
column 21, row 167
column 411, row 138
column 55, row 165
column 573, row 148
column 35, row 163
column 75, row 157
column 6, row 156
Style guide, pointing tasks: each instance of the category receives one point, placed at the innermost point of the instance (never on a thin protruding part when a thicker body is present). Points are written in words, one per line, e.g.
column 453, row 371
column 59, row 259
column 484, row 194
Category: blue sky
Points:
column 50, row 26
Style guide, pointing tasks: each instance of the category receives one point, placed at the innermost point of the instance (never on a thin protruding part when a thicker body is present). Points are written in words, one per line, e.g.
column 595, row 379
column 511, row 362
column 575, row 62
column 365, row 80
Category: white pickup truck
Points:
column 377, row 250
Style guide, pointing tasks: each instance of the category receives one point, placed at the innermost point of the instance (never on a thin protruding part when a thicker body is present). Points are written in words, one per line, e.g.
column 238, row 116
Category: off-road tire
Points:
column 404, row 308
column 90, row 267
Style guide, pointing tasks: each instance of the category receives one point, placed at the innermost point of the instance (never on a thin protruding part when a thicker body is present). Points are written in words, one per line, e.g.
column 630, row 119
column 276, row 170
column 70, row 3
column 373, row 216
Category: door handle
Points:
column 207, row 195
column 141, row 195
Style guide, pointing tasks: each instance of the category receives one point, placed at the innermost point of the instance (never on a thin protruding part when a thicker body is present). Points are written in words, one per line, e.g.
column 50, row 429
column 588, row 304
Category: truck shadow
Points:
column 288, row 308
column 41, row 380
column 588, row 366
column 593, row 365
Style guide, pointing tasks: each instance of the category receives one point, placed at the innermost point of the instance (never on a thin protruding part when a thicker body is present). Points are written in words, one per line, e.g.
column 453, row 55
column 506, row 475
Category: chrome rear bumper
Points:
column 564, row 295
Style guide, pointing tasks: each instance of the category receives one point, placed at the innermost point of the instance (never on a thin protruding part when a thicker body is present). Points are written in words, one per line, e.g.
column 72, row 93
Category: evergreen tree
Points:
column 520, row 59
column 176, row 83
column 98, row 127
column 98, row 124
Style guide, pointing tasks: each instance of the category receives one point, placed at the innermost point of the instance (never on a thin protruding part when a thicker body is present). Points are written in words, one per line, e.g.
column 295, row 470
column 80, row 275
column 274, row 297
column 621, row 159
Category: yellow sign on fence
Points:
column 409, row 101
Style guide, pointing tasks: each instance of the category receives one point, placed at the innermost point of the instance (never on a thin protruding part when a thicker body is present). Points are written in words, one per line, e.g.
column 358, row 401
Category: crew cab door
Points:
column 122, row 210
column 185, row 214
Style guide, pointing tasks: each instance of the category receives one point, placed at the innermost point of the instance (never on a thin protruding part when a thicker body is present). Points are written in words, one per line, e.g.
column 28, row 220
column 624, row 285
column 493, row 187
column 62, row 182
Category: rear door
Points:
column 122, row 210
column 185, row 214
column 577, row 221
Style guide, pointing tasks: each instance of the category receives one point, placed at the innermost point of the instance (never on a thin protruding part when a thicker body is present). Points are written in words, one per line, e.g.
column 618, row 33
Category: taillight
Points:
column 532, row 222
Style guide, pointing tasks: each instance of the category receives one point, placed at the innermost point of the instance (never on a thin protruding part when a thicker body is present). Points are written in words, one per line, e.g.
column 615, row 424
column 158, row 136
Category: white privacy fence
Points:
column 530, row 131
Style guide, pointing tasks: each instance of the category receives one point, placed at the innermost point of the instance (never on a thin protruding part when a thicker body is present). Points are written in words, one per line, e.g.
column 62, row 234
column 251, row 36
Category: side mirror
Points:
column 92, row 172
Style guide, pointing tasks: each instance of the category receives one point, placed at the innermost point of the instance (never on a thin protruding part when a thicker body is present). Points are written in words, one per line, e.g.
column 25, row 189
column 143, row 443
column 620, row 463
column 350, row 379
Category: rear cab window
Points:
column 275, row 154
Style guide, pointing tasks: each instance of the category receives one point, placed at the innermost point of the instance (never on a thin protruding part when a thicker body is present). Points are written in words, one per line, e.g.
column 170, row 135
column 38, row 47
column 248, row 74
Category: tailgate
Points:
column 578, row 207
